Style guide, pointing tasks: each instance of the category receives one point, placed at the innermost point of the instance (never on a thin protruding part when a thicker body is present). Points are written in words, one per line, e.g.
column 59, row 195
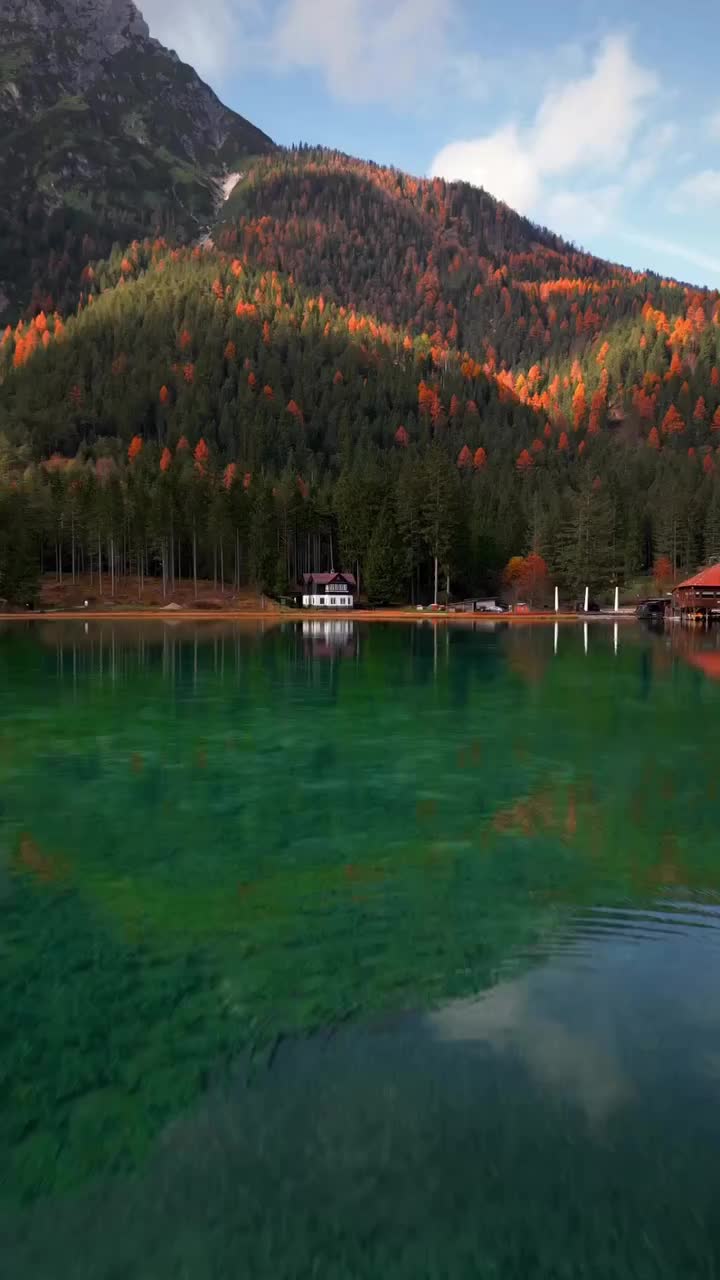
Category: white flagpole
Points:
column 617, row 599
column 557, row 600
column 587, row 598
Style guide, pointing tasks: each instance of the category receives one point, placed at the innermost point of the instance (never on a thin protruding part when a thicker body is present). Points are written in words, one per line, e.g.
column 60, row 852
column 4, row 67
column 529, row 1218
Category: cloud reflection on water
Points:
column 575, row 1062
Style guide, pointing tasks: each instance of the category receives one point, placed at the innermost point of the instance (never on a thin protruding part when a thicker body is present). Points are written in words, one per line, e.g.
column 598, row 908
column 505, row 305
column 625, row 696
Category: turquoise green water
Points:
column 378, row 951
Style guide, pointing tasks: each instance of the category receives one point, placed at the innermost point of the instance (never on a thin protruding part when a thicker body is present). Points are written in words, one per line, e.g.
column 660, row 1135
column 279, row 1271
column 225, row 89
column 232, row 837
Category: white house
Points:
column 328, row 590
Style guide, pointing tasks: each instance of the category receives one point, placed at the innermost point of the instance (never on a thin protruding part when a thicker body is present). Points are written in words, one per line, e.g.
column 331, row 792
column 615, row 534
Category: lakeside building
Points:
column 699, row 596
column 328, row 590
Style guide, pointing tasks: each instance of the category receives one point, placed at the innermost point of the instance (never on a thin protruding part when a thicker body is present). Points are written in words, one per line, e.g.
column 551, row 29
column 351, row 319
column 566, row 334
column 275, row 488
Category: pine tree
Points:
column 712, row 528
column 262, row 545
column 358, row 497
column 634, row 544
column 385, row 572
column 439, row 513
column 19, row 562
column 585, row 548
column 409, row 516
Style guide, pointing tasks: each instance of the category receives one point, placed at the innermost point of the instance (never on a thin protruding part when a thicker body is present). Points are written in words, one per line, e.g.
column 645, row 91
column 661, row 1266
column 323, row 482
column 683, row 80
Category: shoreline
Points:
column 300, row 615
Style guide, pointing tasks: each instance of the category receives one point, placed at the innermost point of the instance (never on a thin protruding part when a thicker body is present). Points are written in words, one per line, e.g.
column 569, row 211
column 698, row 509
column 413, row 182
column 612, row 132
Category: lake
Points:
column 339, row 950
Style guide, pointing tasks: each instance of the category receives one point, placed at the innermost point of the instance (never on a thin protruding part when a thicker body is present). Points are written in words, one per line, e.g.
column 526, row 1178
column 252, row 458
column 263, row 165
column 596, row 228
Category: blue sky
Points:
column 601, row 121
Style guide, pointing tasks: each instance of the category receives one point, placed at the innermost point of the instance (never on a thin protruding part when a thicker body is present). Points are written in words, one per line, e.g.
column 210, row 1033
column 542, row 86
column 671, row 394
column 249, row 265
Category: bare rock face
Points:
column 107, row 24
column 105, row 17
column 69, row 40
column 105, row 135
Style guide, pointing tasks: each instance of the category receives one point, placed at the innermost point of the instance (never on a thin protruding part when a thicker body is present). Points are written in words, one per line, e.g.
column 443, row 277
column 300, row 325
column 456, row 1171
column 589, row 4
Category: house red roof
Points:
column 322, row 579
column 709, row 579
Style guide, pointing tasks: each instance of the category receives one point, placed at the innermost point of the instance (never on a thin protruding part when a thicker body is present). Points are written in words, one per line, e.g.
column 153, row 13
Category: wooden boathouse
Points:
column 698, row 599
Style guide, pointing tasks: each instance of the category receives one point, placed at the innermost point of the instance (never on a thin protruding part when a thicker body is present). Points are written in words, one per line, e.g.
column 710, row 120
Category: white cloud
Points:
column 500, row 162
column 472, row 77
column 478, row 77
column 587, row 124
column 653, row 152
column 714, row 125
column 591, row 122
column 658, row 244
column 213, row 36
column 367, row 50
column 593, row 211
column 699, row 191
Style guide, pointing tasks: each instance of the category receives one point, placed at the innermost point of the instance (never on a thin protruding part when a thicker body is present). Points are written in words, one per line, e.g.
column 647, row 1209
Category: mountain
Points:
column 104, row 136
column 351, row 349
column 398, row 245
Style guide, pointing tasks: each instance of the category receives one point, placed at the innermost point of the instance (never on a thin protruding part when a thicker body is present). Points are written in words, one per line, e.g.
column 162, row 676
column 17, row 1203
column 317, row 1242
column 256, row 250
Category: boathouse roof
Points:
column 709, row 579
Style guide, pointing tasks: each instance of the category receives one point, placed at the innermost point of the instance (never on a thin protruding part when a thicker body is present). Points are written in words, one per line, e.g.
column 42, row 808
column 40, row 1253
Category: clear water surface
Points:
column 359, row 951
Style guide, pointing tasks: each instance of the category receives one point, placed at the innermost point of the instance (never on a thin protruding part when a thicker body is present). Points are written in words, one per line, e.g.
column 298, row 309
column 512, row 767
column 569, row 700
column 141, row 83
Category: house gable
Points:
column 335, row 589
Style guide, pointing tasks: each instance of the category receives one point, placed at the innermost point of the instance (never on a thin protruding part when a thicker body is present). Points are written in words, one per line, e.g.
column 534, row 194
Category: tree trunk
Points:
column 435, row 595
column 194, row 552
column 100, row 564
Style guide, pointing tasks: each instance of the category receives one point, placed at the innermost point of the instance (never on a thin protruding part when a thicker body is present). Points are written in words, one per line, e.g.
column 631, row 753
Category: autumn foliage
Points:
column 342, row 299
column 663, row 575
column 135, row 448
column 526, row 578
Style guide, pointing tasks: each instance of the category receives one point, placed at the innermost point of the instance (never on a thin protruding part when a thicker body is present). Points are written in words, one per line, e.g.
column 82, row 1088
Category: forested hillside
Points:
column 104, row 135
column 375, row 369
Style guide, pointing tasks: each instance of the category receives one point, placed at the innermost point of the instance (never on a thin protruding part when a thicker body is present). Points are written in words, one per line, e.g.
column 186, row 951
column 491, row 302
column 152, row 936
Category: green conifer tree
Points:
column 385, row 575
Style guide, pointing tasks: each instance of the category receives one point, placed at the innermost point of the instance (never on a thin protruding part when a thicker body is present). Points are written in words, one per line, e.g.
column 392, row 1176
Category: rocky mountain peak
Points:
column 70, row 39
column 108, row 23
column 105, row 135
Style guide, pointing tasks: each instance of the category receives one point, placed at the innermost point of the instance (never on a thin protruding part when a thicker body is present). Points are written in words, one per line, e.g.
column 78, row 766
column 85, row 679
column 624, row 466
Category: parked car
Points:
column 593, row 606
column 521, row 607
